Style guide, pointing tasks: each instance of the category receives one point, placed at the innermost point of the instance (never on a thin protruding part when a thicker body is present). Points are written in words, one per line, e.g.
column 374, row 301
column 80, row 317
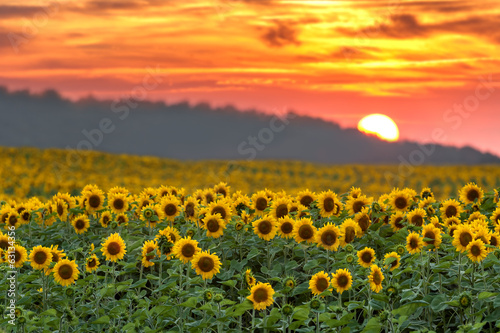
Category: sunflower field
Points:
column 168, row 258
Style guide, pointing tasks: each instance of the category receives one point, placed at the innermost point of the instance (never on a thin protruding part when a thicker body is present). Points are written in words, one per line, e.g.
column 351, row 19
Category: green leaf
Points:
column 373, row 326
column 230, row 283
column 238, row 310
column 439, row 303
column 152, row 277
column 139, row 284
column 486, row 294
column 102, row 320
column 301, row 312
column 253, row 253
column 310, row 265
column 49, row 312
column 190, row 303
column 409, row 308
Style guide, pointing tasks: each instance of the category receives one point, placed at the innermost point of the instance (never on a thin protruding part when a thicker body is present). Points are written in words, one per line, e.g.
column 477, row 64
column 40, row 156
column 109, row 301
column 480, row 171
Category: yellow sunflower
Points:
column 214, row 224
column 265, row 228
column 20, row 255
column 433, row 234
column 366, row 257
column 185, row 249
column 328, row 237
column 12, row 220
column 396, row 220
column 122, row 219
column 66, row 272
column 342, row 280
column 105, row 219
column 94, row 199
column 206, row 264
column 222, row 189
column 171, row 233
column 114, row 248
column 190, row 209
column 462, row 236
column 4, row 241
column 280, row 208
column 329, row 204
column 60, row 207
column 40, row 257
column 306, row 198
column 319, row 283
column 426, row 193
column 260, row 201
column 376, row 277
column 354, row 192
column 81, row 223
column 362, row 218
column 349, row 229
column 169, row 207
column 355, row 205
column 221, row 207
column 148, row 252
column 470, row 193
column 417, row 217
column 303, row 230
column 249, row 278
column 400, row 200
column 414, row 243
column 494, row 240
column 261, row 295
column 285, row 227
column 476, row 251
column 92, row 263
column 118, row 203
column 495, row 216
column 395, row 263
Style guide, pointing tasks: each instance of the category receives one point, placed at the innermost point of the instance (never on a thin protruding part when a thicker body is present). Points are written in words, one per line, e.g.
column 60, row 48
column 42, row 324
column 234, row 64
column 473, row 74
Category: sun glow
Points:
column 380, row 125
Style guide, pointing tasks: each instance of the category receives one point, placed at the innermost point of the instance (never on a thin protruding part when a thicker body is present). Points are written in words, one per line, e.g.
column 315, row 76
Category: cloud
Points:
column 9, row 11
column 281, row 34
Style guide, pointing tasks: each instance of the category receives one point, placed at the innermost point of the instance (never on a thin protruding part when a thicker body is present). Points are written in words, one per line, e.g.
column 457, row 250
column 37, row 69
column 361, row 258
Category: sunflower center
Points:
column 413, row 243
column 212, row 225
column 349, row 234
column 328, row 205
column 265, row 227
column 451, row 211
column 260, row 295
column 398, row 223
column 261, row 204
column 493, row 241
column 337, row 209
column 472, row 194
column 114, row 248
column 209, row 198
column 65, row 271
column 150, row 255
column 377, row 279
column 366, row 257
column 322, row 284
column 465, row 238
column 306, row 232
column 60, row 209
column 170, row 209
column 26, row 215
column 306, row 200
column 219, row 210
column 80, row 224
column 189, row 209
column 4, row 244
column 286, row 228
column 431, row 235
column 206, row 264
column 188, row 250
column 118, row 204
column 364, row 223
column 55, row 257
column 40, row 257
column 401, row 203
column 281, row 210
column 12, row 220
column 475, row 250
column 121, row 219
column 342, row 281
column 357, row 206
column 105, row 219
column 17, row 256
column 221, row 191
column 92, row 263
column 417, row 220
column 394, row 263
column 94, row 201
column 329, row 237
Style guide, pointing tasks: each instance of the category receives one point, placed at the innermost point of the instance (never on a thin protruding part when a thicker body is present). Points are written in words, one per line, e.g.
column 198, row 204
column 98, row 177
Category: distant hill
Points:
column 186, row 132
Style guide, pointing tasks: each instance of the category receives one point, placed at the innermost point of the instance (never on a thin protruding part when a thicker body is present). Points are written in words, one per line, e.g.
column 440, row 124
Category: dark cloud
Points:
column 405, row 26
column 7, row 11
column 281, row 34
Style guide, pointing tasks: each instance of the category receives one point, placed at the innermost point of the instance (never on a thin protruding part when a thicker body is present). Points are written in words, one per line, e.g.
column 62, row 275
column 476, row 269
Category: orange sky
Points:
column 339, row 60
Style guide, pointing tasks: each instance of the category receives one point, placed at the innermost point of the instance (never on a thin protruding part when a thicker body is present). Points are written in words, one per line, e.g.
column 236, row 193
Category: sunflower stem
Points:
column 485, row 286
column 317, row 322
column 327, row 261
column 459, row 274
column 253, row 318
column 44, row 290
column 161, row 268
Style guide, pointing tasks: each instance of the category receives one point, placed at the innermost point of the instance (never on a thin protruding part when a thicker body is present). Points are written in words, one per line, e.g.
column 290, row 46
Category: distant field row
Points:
column 27, row 172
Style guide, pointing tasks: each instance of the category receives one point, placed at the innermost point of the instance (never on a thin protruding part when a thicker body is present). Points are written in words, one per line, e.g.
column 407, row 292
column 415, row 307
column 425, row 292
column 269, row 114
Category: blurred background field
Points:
column 27, row 172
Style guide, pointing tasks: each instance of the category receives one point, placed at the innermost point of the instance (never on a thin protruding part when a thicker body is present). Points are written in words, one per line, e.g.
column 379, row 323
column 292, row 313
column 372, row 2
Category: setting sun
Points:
column 380, row 125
